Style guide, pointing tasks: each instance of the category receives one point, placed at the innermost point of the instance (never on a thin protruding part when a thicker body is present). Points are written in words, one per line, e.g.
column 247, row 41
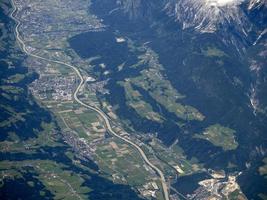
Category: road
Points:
column 97, row 110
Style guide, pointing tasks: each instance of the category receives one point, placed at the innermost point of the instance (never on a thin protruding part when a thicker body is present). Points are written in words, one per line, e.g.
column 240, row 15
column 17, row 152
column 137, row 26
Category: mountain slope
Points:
column 207, row 50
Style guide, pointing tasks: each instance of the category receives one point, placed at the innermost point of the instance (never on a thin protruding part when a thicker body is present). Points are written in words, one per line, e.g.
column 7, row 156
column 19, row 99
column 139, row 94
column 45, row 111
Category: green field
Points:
column 213, row 52
column 219, row 136
column 160, row 89
column 134, row 100
column 263, row 168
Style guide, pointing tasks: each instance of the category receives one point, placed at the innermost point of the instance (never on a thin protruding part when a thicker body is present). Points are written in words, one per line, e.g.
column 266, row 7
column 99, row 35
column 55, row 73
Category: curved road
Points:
column 100, row 112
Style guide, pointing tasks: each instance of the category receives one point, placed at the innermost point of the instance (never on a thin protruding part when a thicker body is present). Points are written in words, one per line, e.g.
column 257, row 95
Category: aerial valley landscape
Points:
column 133, row 99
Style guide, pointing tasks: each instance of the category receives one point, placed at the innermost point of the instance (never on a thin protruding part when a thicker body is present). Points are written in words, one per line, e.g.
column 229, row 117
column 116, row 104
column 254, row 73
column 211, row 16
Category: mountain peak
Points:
column 206, row 15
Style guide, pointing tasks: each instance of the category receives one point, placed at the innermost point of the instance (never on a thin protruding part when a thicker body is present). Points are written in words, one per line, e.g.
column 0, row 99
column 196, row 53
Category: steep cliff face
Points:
column 138, row 8
column 207, row 15
column 257, row 53
column 237, row 22
column 257, row 14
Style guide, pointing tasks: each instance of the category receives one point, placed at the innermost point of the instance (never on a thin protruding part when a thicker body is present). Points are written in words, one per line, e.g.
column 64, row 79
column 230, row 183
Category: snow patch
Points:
column 120, row 39
column 220, row 3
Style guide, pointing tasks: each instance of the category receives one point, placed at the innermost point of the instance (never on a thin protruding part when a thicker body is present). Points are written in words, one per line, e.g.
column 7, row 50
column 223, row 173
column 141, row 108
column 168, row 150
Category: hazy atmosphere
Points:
column 133, row 99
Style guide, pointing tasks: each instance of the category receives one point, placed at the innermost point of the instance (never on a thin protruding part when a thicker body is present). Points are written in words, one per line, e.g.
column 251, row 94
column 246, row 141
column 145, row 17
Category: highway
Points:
column 95, row 109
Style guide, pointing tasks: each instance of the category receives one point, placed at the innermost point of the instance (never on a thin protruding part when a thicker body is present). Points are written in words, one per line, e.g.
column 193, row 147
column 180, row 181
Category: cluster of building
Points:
column 97, row 87
column 149, row 190
column 217, row 188
column 54, row 87
column 79, row 145
column 174, row 197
